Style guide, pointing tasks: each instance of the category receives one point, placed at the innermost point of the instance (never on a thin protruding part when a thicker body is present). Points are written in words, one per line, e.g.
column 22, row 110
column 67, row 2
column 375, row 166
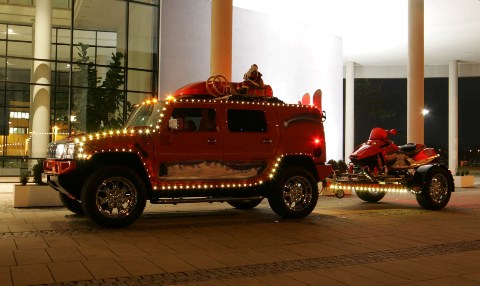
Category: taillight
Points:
column 317, row 150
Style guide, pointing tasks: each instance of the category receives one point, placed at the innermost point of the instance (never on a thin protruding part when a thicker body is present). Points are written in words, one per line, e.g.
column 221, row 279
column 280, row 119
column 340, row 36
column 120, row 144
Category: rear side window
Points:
column 246, row 120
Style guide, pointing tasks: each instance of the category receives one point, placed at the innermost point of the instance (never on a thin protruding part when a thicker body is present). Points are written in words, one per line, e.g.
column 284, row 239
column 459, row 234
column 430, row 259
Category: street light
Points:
column 425, row 112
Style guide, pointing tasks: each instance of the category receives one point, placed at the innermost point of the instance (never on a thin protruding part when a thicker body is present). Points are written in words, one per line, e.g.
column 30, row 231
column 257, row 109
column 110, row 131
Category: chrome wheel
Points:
column 438, row 189
column 116, row 197
column 294, row 193
column 297, row 193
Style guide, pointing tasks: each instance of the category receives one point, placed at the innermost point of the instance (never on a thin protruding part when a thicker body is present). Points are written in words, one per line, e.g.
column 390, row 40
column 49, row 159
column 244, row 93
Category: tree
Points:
column 104, row 103
column 370, row 100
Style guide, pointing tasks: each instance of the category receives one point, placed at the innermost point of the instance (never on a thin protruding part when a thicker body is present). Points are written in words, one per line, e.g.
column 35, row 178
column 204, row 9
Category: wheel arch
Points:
column 302, row 161
column 101, row 160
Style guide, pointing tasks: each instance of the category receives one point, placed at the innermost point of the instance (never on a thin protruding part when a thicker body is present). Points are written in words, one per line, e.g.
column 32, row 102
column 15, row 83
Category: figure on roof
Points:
column 252, row 79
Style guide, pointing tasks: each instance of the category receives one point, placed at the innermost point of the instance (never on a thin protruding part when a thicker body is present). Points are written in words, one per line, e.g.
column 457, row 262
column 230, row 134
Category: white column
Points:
column 40, row 105
column 415, row 73
column 221, row 38
column 452, row 115
column 349, row 110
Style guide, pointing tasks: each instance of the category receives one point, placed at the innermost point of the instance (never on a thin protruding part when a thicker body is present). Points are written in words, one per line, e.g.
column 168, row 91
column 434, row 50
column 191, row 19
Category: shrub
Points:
column 24, row 178
column 37, row 172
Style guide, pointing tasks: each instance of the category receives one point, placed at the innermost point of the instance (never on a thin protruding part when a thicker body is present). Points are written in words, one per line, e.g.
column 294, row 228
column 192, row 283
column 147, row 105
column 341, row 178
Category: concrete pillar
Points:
column 453, row 115
column 40, row 98
column 415, row 73
column 221, row 38
column 349, row 110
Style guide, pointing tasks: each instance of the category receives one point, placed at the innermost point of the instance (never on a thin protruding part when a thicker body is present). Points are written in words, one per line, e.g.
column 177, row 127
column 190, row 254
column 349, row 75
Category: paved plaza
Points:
column 343, row 242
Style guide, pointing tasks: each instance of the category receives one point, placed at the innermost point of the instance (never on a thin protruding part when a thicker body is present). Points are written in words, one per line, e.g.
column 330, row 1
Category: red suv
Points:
column 195, row 147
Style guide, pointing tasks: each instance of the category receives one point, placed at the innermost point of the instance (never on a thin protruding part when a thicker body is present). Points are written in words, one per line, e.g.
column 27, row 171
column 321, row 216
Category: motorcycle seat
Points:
column 410, row 149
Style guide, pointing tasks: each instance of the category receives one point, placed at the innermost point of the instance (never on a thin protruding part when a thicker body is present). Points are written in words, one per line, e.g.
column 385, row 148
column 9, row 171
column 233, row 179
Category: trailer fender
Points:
column 419, row 179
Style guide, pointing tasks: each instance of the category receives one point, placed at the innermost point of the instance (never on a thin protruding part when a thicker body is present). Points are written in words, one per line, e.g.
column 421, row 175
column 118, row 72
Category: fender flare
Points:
column 419, row 178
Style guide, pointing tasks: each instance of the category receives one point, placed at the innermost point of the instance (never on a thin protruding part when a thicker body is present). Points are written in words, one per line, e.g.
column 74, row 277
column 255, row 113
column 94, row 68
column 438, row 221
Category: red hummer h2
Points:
column 206, row 143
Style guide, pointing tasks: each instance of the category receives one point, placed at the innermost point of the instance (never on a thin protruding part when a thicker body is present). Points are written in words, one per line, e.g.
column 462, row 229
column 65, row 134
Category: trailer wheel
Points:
column 436, row 190
column 370, row 196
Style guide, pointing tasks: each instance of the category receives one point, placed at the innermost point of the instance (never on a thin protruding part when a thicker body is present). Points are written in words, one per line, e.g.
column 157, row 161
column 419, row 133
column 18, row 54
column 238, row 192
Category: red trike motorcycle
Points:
column 379, row 166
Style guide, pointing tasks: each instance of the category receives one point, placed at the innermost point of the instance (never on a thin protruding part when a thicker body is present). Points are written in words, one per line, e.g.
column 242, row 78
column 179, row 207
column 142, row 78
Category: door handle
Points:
column 211, row 141
column 267, row 141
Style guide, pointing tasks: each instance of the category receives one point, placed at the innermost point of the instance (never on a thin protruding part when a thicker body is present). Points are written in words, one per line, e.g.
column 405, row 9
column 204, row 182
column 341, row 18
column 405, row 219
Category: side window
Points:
column 196, row 119
column 246, row 120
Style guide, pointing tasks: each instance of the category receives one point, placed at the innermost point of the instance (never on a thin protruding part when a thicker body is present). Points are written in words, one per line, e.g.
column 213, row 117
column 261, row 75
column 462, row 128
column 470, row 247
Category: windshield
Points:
column 146, row 115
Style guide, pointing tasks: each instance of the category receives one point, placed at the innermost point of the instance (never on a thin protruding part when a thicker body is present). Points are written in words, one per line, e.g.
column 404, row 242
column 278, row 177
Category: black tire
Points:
column 294, row 193
column 436, row 190
column 245, row 204
column 370, row 196
column 114, row 196
column 72, row 205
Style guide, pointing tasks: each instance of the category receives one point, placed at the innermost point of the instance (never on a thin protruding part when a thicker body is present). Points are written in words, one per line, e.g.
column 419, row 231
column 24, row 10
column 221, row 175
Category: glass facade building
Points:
column 104, row 59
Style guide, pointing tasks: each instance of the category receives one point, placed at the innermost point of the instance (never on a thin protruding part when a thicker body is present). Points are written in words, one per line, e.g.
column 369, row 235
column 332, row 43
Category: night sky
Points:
column 392, row 97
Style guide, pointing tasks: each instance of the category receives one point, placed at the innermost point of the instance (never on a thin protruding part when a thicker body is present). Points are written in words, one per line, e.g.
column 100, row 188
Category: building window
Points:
column 84, row 53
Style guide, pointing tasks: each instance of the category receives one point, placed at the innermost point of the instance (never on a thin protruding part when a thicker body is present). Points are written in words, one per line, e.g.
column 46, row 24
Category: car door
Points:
column 194, row 152
column 250, row 139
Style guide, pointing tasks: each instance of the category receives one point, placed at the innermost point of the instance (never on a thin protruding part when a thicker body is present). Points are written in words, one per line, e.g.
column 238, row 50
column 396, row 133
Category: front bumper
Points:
column 53, row 169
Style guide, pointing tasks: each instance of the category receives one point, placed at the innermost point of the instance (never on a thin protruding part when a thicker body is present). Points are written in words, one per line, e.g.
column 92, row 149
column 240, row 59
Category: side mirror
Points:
column 175, row 124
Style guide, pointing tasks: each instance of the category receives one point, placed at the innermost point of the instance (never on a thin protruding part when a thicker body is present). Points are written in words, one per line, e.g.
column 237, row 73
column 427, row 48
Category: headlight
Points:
column 69, row 151
column 59, row 151
column 62, row 150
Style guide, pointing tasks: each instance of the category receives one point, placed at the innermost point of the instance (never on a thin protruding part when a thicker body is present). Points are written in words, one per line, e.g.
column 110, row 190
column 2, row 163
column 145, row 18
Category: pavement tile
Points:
column 69, row 271
column 474, row 276
column 5, row 276
column 46, row 226
column 126, row 250
column 30, row 242
column 105, row 268
column 101, row 252
column 250, row 281
column 116, row 237
column 12, row 221
column 22, row 227
column 206, row 243
column 171, row 263
column 449, row 281
column 200, row 260
column 89, row 240
column 4, row 228
column 7, row 258
column 179, row 244
column 279, row 280
column 31, row 256
column 374, row 274
column 7, row 243
column 256, row 256
column 229, row 258
column 60, row 241
column 280, row 253
column 138, row 266
column 213, row 282
column 313, row 278
column 62, row 254
column 349, row 278
column 31, row 274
